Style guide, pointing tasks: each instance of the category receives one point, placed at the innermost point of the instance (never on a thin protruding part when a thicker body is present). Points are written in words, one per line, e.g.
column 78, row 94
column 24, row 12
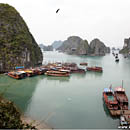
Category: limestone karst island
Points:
column 65, row 69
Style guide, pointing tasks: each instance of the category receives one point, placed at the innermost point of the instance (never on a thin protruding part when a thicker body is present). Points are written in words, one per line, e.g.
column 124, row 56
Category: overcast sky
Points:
column 108, row 20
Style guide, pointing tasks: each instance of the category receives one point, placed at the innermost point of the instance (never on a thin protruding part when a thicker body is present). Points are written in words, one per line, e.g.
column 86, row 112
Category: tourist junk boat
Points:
column 95, row 68
column 77, row 70
column 57, row 73
column 121, row 98
column 29, row 73
column 84, row 64
column 110, row 99
column 16, row 74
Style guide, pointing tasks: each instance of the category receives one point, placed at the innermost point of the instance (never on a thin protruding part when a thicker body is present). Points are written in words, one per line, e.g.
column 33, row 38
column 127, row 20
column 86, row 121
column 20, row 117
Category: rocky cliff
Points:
column 126, row 47
column 75, row 45
column 98, row 47
column 78, row 46
column 17, row 45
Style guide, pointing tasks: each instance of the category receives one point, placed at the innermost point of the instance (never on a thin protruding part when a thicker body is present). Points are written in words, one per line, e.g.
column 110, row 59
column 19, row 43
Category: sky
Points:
column 107, row 20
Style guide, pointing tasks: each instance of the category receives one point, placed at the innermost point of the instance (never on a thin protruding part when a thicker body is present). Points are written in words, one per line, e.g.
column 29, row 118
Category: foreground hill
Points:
column 17, row 45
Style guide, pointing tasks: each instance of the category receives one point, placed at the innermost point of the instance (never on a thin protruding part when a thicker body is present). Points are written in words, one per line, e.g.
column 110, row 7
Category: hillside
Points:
column 17, row 45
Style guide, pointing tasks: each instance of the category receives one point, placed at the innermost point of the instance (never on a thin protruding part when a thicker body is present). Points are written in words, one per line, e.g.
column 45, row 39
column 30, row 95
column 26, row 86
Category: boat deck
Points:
column 119, row 112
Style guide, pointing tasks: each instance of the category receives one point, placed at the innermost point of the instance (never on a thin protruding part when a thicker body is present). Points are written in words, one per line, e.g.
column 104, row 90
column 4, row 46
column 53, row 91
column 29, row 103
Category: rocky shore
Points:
column 12, row 118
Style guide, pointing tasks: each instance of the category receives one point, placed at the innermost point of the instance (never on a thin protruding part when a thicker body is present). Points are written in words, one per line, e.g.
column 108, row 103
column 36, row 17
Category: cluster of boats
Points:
column 53, row 69
column 117, row 101
column 116, row 57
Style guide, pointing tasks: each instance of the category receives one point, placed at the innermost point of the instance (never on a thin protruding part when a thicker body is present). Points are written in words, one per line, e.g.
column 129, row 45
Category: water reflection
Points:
column 60, row 79
column 18, row 91
column 96, row 74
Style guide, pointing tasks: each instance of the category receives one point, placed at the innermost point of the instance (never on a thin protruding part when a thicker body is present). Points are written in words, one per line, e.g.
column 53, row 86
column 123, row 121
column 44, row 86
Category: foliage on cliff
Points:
column 10, row 117
column 17, row 45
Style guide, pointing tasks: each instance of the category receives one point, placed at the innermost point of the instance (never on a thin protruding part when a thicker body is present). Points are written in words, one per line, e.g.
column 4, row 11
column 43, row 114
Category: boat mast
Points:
column 122, row 83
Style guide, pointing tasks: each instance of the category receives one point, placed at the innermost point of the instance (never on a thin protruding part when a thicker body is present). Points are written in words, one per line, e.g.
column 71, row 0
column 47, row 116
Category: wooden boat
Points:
column 121, row 98
column 57, row 73
column 96, row 69
column 23, row 74
column 84, row 63
column 116, row 56
column 69, row 65
column 110, row 99
column 16, row 75
column 77, row 70
column 116, row 60
column 29, row 73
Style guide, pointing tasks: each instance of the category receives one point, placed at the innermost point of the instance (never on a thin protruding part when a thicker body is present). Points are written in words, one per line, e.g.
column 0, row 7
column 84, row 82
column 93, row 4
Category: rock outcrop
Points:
column 17, row 45
column 57, row 44
column 98, row 47
column 126, row 47
column 76, row 45
column 46, row 48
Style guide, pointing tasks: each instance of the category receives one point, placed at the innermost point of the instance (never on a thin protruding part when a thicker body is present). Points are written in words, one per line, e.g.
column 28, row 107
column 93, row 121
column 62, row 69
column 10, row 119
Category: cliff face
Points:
column 17, row 45
column 75, row 45
column 126, row 47
column 98, row 47
column 78, row 46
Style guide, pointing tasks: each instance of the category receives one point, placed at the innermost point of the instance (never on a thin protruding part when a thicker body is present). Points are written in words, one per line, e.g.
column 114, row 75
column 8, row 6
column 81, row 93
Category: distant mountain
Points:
column 57, row 44
column 77, row 46
column 41, row 46
column 46, row 48
column 98, row 47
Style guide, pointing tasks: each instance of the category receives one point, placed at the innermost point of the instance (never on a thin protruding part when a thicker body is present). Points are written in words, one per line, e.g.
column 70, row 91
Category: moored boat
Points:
column 121, row 98
column 84, row 64
column 117, row 60
column 109, row 99
column 77, row 70
column 16, row 75
column 95, row 68
column 57, row 73
column 29, row 73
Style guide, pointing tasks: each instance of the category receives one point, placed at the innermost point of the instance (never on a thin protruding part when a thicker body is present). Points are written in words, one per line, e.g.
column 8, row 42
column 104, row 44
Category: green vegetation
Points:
column 16, row 42
column 10, row 117
column 124, row 50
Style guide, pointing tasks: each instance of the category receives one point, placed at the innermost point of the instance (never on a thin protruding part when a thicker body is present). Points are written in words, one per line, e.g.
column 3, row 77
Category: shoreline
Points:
column 36, row 123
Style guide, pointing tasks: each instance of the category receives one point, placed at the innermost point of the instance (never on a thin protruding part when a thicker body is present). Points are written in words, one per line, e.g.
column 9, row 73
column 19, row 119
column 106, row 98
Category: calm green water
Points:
column 74, row 102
